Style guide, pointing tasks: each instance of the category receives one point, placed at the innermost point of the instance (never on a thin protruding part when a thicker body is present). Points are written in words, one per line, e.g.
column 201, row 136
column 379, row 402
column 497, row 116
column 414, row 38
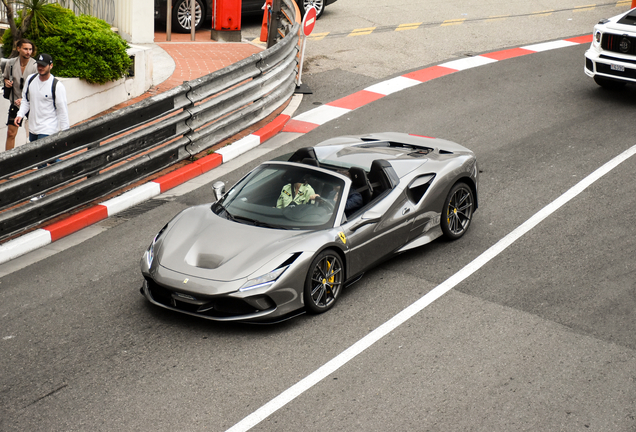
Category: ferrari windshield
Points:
column 283, row 196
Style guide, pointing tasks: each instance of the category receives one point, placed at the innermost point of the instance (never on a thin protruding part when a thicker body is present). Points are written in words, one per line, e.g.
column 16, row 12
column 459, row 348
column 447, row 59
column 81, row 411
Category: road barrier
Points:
column 106, row 154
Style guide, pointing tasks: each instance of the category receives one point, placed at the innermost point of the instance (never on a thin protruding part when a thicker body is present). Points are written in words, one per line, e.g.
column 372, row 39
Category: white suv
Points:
column 611, row 59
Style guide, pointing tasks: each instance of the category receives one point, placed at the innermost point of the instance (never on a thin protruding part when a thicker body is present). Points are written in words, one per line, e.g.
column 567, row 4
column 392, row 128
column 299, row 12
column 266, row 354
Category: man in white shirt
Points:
column 44, row 99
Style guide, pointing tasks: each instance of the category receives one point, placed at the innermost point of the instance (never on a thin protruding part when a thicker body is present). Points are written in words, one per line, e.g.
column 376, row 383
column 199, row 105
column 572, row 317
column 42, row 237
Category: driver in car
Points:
column 354, row 199
column 296, row 193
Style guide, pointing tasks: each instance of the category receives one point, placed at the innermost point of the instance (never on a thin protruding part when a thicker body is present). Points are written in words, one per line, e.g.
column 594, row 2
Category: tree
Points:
column 31, row 11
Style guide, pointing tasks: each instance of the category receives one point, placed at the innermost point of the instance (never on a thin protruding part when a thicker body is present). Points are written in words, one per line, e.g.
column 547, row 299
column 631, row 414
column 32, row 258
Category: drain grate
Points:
column 130, row 213
column 139, row 209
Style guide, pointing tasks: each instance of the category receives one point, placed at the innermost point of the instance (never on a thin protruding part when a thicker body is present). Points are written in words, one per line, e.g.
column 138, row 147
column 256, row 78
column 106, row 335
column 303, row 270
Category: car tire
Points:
column 457, row 212
column 609, row 83
column 303, row 5
column 181, row 15
column 324, row 282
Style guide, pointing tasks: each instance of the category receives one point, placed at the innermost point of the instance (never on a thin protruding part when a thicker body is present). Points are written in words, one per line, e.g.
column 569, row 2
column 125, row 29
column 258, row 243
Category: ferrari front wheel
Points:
column 324, row 282
column 458, row 211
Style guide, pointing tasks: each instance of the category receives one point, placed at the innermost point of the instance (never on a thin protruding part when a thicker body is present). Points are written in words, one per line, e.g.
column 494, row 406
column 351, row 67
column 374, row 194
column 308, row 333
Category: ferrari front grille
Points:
column 219, row 307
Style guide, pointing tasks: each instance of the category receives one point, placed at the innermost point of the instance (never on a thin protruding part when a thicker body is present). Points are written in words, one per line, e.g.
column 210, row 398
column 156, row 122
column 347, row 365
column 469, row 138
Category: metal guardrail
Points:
column 108, row 153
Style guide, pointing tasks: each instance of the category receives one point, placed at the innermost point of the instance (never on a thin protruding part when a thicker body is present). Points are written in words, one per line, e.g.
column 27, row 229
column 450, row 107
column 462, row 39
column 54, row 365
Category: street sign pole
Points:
column 309, row 21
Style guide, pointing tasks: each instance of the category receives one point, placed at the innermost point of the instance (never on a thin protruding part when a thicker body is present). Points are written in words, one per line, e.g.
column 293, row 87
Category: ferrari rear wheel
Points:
column 324, row 282
column 458, row 211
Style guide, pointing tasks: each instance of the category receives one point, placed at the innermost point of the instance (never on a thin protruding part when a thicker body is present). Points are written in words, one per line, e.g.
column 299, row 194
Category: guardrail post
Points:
column 274, row 22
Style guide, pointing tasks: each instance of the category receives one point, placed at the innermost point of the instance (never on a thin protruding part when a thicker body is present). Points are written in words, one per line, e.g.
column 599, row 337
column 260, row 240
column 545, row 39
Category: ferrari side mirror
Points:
column 219, row 189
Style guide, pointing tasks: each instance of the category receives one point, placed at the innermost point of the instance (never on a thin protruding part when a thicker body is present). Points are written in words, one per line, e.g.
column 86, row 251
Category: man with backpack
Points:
column 16, row 71
column 44, row 100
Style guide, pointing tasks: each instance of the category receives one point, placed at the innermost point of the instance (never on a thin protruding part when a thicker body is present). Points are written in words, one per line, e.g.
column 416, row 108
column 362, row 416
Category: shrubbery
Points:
column 81, row 46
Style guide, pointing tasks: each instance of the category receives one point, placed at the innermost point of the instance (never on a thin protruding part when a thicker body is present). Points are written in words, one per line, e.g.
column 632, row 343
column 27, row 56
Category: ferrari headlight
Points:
column 150, row 256
column 264, row 280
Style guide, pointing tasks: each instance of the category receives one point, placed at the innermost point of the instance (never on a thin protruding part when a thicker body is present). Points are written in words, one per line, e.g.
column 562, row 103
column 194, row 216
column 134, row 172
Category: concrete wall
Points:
column 86, row 100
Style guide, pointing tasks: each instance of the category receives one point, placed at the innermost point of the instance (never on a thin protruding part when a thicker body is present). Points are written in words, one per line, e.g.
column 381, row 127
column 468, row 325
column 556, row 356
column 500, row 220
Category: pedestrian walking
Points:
column 44, row 100
column 15, row 74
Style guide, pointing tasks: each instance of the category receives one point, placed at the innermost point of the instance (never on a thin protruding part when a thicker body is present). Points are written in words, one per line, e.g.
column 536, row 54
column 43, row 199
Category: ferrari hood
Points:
column 204, row 245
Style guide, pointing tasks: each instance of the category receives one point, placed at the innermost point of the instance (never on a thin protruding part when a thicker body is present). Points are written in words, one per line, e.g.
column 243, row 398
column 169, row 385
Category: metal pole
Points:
column 302, row 56
column 193, row 19
column 169, row 21
column 273, row 23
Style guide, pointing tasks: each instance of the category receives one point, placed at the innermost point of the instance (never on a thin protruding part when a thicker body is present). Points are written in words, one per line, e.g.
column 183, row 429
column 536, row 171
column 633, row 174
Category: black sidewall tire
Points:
column 311, row 307
column 444, row 219
column 176, row 26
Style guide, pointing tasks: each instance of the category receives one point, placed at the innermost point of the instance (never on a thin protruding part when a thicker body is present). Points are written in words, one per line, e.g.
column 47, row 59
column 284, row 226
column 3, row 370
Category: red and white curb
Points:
column 310, row 120
column 302, row 123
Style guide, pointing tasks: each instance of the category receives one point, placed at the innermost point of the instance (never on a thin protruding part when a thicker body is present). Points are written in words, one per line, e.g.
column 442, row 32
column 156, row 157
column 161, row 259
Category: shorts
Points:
column 13, row 113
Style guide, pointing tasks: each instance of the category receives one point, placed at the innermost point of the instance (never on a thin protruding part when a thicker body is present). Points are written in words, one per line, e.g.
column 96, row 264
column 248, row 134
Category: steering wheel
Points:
column 327, row 203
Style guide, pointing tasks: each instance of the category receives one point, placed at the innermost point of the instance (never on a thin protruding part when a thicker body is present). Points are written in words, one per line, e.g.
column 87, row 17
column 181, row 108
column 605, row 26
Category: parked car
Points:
column 181, row 11
column 611, row 59
column 292, row 233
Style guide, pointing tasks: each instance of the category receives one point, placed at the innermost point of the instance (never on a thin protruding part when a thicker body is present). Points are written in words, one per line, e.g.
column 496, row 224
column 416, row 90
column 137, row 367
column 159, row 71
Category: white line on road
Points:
column 340, row 360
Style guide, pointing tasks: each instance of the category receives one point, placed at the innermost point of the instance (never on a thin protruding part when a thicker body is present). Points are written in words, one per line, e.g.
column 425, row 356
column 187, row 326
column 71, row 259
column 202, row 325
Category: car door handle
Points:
column 406, row 210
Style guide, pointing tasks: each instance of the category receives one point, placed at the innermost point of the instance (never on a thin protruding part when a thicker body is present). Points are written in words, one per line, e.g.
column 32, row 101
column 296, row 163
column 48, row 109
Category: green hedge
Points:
column 81, row 46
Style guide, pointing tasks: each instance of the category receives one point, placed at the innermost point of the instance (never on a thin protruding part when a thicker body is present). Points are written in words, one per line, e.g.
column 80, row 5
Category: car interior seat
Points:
column 361, row 183
column 382, row 176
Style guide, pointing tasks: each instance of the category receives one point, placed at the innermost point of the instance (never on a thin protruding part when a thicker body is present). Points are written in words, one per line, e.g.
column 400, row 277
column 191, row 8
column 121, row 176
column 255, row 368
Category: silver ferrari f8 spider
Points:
column 293, row 233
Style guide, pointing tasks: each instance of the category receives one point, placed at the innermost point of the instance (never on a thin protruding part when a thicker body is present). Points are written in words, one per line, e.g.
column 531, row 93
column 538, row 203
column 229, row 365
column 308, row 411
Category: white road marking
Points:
column 468, row 63
column 393, row 85
column 546, row 46
column 322, row 114
column 132, row 198
column 239, row 147
column 340, row 360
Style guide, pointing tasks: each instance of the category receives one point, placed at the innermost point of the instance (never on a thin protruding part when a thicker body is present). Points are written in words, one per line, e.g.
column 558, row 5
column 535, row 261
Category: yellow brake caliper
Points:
column 330, row 280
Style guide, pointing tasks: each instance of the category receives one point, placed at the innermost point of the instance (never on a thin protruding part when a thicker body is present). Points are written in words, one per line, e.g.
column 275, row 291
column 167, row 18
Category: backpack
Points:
column 53, row 86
